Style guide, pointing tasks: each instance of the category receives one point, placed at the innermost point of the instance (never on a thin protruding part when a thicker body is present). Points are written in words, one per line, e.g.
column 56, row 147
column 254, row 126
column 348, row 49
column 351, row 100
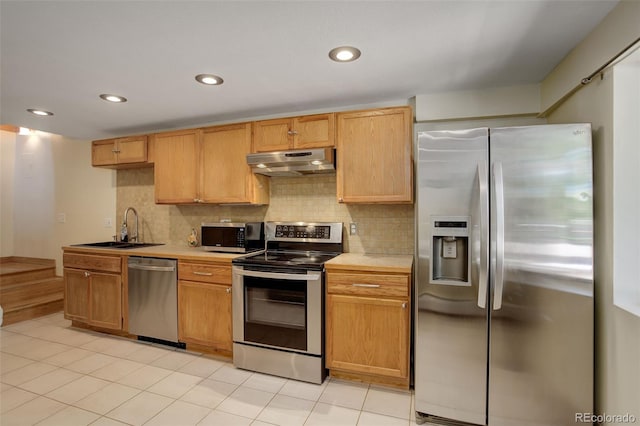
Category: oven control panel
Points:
column 305, row 231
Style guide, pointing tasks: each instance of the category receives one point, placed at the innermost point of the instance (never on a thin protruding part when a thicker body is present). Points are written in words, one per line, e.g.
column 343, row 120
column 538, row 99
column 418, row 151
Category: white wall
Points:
column 85, row 194
column 617, row 331
column 626, row 175
column 472, row 104
column 7, row 160
column 47, row 176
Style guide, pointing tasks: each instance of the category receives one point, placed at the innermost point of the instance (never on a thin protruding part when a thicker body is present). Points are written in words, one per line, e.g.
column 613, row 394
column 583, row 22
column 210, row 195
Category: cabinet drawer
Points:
column 204, row 272
column 368, row 284
column 93, row 262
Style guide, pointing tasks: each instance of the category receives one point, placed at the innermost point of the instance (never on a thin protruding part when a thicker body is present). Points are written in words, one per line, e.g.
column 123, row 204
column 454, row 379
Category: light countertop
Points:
column 166, row 251
column 371, row 262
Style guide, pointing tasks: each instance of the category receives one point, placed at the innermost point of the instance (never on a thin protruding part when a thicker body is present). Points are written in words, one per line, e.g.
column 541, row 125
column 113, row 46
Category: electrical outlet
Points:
column 353, row 228
column 108, row 222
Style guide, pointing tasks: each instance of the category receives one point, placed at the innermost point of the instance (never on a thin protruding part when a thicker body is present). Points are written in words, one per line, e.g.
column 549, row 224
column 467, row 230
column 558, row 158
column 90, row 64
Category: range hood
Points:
column 293, row 163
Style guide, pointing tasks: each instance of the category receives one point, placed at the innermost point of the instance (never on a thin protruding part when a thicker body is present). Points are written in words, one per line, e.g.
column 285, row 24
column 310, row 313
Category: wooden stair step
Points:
column 33, row 302
column 30, row 312
column 22, row 293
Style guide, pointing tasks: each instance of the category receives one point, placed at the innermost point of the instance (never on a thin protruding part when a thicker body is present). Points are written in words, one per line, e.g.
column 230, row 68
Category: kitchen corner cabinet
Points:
column 368, row 326
column 305, row 132
column 204, row 305
column 207, row 166
column 120, row 152
column 374, row 156
column 93, row 290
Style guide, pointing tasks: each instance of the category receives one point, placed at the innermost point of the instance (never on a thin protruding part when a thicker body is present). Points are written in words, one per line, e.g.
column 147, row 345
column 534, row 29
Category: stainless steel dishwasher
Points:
column 153, row 299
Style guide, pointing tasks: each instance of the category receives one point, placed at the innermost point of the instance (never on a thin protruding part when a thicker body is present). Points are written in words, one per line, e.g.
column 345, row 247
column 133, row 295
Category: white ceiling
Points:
column 273, row 56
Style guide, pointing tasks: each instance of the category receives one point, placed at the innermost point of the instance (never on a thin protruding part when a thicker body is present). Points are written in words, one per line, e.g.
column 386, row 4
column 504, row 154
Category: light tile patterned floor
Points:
column 53, row 374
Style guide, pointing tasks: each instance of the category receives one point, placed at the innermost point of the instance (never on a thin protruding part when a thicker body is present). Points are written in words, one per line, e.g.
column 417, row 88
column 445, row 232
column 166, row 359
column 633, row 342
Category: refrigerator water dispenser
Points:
column 450, row 259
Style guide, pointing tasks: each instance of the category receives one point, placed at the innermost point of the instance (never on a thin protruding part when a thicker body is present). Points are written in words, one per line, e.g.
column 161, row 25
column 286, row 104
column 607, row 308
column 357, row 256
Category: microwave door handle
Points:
column 484, row 234
column 278, row 275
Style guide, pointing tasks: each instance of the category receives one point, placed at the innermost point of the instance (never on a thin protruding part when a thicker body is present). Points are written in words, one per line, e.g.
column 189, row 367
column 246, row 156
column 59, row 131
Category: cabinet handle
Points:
column 204, row 274
column 229, row 290
column 404, row 305
column 292, row 132
column 341, row 200
column 366, row 285
column 115, row 151
column 86, row 274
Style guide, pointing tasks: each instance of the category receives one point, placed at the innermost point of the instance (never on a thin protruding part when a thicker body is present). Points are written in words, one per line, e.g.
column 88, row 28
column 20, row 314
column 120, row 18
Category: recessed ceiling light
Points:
column 209, row 79
column 39, row 112
column 344, row 54
column 113, row 98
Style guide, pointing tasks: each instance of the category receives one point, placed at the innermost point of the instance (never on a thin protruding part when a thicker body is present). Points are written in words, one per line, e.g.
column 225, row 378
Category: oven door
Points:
column 278, row 308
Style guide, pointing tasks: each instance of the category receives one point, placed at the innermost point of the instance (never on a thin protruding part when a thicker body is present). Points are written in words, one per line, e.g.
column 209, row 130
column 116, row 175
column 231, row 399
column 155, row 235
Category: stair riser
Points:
column 32, row 312
column 8, row 280
column 22, row 294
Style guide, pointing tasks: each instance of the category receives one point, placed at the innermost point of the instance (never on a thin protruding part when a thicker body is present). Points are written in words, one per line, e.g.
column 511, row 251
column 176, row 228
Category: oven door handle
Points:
column 278, row 275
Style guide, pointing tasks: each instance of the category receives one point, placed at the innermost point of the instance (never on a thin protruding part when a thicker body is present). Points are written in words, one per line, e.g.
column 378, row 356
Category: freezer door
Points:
column 451, row 319
column 541, row 338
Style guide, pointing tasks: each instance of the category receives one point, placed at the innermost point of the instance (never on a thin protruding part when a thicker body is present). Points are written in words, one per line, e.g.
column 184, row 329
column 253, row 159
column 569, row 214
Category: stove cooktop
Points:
column 298, row 245
column 301, row 259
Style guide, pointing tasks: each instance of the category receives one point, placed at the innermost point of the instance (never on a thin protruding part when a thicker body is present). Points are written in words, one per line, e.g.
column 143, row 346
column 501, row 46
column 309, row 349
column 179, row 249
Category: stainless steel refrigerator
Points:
column 504, row 281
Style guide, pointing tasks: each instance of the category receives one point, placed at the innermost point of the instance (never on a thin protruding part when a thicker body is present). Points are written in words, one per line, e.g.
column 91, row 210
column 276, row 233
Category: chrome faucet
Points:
column 133, row 237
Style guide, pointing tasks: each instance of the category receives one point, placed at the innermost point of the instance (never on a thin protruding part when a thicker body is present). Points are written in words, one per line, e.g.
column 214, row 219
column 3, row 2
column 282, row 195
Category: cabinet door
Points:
column 105, row 300
column 376, row 340
column 204, row 314
column 176, row 170
column 103, row 153
column 76, row 294
column 272, row 135
column 132, row 150
column 226, row 177
column 314, row 131
column 374, row 151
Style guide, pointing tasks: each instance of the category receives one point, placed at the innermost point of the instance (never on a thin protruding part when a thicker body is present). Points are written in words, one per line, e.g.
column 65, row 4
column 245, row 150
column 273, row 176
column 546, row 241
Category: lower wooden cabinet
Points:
column 204, row 305
column 368, row 327
column 93, row 290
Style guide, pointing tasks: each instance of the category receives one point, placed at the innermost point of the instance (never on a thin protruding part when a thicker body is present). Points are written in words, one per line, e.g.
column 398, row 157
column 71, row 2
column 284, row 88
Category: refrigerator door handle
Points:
column 499, row 191
column 484, row 234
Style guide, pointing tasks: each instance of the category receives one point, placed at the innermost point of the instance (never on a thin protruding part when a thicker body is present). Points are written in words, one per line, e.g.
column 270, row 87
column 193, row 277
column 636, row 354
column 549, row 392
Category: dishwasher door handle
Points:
column 152, row 268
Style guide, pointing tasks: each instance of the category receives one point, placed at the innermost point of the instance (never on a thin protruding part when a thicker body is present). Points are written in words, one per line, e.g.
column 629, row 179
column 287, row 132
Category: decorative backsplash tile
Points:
column 382, row 229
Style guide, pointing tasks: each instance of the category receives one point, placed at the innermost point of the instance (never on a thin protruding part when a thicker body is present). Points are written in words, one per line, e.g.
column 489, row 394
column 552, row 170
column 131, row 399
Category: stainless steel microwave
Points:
column 232, row 237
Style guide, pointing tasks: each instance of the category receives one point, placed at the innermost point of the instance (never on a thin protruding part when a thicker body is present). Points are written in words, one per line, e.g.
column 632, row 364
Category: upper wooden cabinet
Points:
column 374, row 150
column 207, row 166
column 310, row 131
column 176, row 170
column 120, row 152
column 225, row 175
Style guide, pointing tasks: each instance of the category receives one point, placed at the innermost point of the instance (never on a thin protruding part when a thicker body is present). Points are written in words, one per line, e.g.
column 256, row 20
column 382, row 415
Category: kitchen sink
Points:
column 119, row 244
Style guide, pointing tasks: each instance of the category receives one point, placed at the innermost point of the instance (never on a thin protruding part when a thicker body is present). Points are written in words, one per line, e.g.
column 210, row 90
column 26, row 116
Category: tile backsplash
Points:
column 382, row 229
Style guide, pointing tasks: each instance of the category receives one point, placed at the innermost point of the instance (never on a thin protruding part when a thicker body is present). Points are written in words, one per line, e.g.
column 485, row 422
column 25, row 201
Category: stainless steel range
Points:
column 278, row 301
